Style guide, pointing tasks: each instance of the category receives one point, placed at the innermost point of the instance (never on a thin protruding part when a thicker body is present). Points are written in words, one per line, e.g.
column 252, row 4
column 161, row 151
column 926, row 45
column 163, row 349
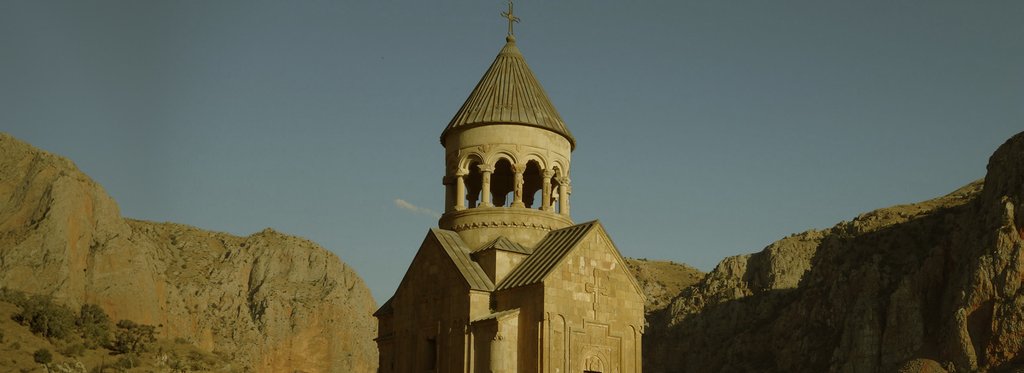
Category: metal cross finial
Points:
column 512, row 19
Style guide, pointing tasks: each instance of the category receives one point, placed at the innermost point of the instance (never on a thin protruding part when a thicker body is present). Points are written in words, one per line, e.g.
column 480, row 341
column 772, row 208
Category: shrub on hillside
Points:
column 104, row 367
column 178, row 364
column 45, row 318
column 94, row 324
column 128, row 361
column 12, row 296
column 72, row 350
column 42, row 356
column 131, row 337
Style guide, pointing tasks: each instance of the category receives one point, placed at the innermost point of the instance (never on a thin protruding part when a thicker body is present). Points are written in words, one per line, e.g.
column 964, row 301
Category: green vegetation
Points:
column 132, row 337
column 53, row 321
column 12, row 296
column 42, row 356
column 73, row 349
column 94, row 325
column 127, row 361
column 45, row 318
column 192, row 361
column 59, row 337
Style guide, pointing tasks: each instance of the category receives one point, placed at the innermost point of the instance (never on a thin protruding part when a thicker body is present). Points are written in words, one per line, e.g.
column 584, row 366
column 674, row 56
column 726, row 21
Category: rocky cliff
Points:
column 270, row 301
column 931, row 286
column 662, row 280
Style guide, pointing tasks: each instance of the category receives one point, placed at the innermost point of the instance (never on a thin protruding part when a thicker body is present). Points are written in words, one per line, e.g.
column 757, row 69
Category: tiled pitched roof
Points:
column 502, row 243
column 459, row 254
column 508, row 93
column 549, row 252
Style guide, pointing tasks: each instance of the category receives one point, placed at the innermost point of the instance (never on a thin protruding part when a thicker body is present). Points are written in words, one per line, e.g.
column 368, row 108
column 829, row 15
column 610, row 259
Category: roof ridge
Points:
column 505, row 244
column 458, row 253
column 550, row 251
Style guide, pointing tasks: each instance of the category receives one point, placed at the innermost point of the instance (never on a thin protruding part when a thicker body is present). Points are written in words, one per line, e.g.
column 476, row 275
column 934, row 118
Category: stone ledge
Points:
column 503, row 217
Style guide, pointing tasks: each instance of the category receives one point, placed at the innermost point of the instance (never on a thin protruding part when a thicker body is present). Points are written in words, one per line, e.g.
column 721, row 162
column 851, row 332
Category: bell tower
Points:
column 507, row 157
column 508, row 283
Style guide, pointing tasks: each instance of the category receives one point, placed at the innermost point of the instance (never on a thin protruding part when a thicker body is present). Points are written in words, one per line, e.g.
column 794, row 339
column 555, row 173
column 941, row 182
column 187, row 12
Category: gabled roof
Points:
column 386, row 308
column 459, row 254
column 502, row 243
column 508, row 93
column 549, row 252
column 457, row 251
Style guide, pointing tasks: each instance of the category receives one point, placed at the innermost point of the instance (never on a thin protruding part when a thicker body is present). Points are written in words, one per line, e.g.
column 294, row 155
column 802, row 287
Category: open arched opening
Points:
column 502, row 183
column 532, row 183
column 474, row 181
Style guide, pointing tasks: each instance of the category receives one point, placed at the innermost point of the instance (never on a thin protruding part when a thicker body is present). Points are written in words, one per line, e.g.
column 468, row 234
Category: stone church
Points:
column 508, row 282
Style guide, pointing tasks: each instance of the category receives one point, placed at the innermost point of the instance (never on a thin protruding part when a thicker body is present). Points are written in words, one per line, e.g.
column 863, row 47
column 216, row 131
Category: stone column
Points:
column 498, row 354
column 545, row 194
column 517, row 189
column 485, row 185
column 563, row 196
column 460, row 190
column 449, row 193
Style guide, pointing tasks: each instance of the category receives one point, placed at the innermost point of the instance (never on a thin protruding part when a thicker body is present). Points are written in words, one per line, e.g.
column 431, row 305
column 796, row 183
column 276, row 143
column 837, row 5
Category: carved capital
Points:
column 519, row 168
column 485, row 168
column 563, row 180
column 548, row 174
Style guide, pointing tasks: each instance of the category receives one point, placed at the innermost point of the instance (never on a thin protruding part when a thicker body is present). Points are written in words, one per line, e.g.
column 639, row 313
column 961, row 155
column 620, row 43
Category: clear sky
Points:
column 705, row 128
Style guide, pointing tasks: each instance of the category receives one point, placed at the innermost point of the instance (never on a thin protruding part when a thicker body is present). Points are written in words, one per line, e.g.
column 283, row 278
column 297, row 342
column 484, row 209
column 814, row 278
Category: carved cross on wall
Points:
column 597, row 288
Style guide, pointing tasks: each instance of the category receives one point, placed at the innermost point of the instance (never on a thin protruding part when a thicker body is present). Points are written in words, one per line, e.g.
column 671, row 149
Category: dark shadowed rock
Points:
column 929, row 286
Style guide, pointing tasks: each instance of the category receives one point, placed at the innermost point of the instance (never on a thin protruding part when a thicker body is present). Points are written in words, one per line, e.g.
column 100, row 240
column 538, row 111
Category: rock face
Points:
column 270, row 301
column 661, row 280
column 932, row 286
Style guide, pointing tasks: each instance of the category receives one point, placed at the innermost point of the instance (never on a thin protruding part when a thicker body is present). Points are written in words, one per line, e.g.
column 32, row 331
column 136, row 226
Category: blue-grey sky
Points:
column 704, row 128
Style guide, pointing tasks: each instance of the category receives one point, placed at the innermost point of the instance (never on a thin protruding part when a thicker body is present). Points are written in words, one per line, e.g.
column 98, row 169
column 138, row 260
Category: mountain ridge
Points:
column 273, row 301
column 929, row 285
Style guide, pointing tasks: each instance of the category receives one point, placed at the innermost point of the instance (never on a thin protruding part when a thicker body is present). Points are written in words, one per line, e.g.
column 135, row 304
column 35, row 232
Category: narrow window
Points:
column 431, row 354
column 556, row 191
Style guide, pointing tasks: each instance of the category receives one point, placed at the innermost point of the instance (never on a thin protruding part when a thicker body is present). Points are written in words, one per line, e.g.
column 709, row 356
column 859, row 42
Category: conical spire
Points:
column 508, row 93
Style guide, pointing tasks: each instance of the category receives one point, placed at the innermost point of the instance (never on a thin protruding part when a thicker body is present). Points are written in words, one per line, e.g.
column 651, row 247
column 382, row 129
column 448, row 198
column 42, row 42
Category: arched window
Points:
column 532, row 183
column 474, row 181
column 502, row 183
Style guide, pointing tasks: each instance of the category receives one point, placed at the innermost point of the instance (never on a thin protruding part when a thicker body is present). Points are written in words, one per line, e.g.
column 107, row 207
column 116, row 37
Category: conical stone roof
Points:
column 508, row 93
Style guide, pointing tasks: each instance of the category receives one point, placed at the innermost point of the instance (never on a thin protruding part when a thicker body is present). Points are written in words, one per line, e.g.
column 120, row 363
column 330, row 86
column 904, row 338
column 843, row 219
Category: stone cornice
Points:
column 503, row 217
